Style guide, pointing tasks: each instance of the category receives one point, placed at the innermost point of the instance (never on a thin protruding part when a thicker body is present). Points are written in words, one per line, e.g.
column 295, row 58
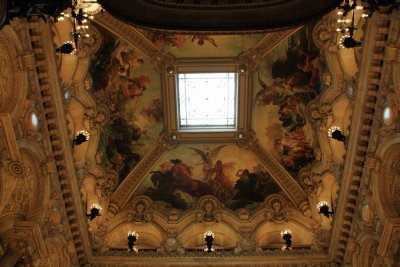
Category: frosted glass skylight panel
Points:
column 207, row 100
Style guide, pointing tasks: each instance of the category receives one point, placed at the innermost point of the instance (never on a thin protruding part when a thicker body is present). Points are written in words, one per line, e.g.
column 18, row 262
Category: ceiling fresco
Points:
column 125, row 81
column 128, row 185
column 230, row 173
column 287, row 79
column 182, row 45
column 165, row 174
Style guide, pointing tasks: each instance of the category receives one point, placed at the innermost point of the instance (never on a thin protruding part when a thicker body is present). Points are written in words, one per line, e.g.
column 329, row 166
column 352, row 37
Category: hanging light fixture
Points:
column 132, row 238
column 90, row 7
column 347, row 26
column 209, row 237
column 94, row 211
column 323, row 207
column 286, row 235
column 82, row 12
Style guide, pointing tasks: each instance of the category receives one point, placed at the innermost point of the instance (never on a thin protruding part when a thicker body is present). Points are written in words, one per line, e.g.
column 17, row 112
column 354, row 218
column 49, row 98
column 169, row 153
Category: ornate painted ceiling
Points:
column 171, row 185
column 154, row 179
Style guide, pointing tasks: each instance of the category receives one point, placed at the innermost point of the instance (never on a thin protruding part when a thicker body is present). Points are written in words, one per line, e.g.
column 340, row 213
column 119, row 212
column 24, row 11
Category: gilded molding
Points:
column 131, row 35
column 362, row 135
column 252, row 57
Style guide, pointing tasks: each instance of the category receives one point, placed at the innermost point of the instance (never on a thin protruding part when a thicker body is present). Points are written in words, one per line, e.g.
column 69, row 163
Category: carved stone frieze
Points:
column 324, row 33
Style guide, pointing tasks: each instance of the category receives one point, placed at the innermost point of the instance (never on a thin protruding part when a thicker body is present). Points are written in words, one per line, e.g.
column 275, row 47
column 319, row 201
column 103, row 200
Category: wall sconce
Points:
column 81, row 137
column 286, row 235
column 66, row 48
column 94, row 211
column 209, row 237
column 336, row 133
column 132, row 238
column 324, row 208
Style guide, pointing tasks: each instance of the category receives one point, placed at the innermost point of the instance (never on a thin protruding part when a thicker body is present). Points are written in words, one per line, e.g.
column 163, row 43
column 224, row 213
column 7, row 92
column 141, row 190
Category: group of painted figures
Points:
column 118, row 83
column 174, row 184
column 296, row 82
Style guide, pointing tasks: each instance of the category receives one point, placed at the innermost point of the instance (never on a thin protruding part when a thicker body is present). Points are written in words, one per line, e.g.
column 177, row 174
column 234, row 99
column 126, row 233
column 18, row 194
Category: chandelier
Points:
column 365, row 8
column 81, row 12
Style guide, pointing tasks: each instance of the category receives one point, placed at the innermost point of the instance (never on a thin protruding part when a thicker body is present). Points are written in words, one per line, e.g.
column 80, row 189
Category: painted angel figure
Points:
column 267, row 95
column 207, row 160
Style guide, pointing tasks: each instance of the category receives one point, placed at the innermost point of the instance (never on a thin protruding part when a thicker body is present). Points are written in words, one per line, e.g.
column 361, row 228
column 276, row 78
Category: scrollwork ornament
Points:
column 249, row 140
column 166, row 142
column 323, row 34
column 247, row 244
column 160, row 60
column 170, row 245
column 16, row 169
column 318, row 113
column 250, row 58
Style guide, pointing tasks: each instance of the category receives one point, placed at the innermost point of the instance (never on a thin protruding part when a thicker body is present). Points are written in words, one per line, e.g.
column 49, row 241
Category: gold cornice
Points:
column 362, row 137
column 138, row 40
column 262, row 260
column 47, row 79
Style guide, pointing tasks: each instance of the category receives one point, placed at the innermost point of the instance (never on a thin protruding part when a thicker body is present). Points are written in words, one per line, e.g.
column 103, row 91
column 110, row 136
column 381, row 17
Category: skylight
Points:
column 207, row 101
